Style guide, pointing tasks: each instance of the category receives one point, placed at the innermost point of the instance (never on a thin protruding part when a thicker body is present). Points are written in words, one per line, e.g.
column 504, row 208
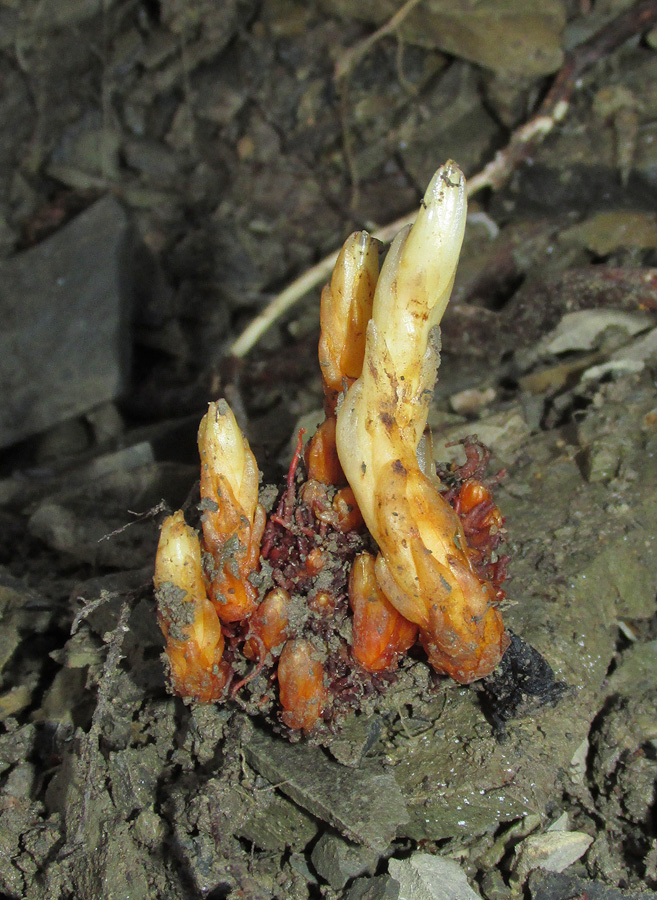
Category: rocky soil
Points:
column 166, row 168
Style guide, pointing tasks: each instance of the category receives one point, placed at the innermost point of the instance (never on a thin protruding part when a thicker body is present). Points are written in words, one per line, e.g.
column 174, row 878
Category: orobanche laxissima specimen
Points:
column 367, row 554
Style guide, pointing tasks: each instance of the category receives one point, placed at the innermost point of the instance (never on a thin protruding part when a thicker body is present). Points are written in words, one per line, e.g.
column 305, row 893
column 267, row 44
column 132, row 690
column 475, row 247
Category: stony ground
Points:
column 165, row 169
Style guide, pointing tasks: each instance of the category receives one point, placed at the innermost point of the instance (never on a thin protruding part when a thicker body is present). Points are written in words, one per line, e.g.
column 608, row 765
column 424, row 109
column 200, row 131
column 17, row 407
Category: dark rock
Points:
column 65, row 306
column 364, row 805
column 522, row 683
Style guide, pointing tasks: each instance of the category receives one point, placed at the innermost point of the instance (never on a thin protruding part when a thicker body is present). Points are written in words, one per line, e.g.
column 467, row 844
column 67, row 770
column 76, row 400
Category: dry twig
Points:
column 349, row 58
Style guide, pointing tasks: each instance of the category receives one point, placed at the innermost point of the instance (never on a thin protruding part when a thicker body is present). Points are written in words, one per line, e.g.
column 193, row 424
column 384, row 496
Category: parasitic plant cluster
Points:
column 367, row 554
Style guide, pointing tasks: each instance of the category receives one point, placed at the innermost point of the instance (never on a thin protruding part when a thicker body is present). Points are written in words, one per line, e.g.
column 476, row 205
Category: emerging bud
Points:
column 268, row 626
column 233, row 520
column 301, row 685
column 195, row 643
column 380, row 633
column 345, row 311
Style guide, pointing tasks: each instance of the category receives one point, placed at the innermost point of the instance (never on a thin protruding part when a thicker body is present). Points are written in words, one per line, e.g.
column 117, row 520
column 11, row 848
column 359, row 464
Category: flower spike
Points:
column 423, row 566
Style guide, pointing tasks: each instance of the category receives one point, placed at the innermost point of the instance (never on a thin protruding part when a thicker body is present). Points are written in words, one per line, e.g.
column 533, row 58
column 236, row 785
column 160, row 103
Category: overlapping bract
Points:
column 201, row 583
column 423, row 566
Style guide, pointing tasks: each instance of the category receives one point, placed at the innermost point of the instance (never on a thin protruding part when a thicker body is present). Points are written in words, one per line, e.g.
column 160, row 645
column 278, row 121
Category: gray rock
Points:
column 552, row 886
column 494, row 887
column 337, row 861
column 553, row 851
column 298, row 864
column 20, row 781
column 365, row 805
column 148, row 828
column 106, row 422
column 504, row 433
column 133, row 774
column 584, row 330
column 636, row 672
column 633, row 575
column 64, row 306
column 9, row 19
column 151, row 158
column 383, row 887
column 88, row 152
column 277, row 825
column 11, row 601
column 427, row 877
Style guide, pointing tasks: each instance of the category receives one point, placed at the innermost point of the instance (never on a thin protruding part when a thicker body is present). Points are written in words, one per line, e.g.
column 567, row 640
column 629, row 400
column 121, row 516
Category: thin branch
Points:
column 281, row 303
column 551, row 111
column 349, row 58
